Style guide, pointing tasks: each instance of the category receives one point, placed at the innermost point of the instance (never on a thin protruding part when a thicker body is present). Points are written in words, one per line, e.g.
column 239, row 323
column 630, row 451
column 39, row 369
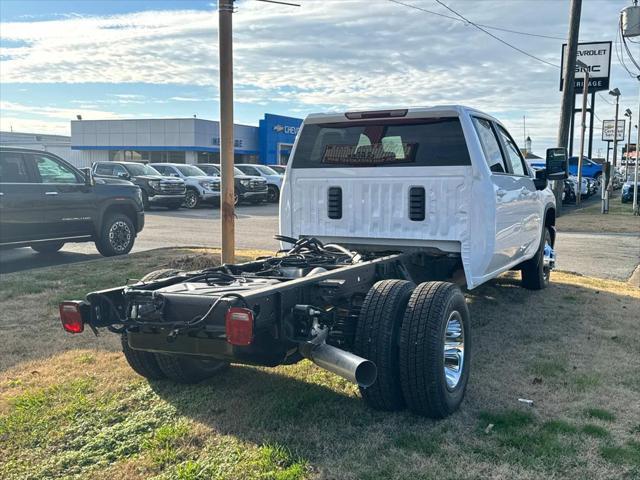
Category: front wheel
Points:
column 273, row 194
column 191, row 199
column 435, row 349
column 184, row 369
column 536, row 272
column 48, row 247
column 117, row 236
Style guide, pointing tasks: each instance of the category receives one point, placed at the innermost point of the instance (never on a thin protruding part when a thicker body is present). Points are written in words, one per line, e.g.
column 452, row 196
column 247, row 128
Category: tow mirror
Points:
column 88, row 177
column 557, row 166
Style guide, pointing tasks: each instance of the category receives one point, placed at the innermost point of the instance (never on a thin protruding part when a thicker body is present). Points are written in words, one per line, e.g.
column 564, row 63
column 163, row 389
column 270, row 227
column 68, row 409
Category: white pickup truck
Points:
column 444, row 180
column 385, row 212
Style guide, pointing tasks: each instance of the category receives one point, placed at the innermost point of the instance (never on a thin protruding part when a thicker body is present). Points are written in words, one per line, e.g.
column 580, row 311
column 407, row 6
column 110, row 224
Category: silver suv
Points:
column 201, row 188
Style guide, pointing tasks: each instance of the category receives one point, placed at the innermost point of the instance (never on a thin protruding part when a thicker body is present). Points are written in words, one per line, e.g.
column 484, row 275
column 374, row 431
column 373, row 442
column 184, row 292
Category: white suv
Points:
column 200, row 186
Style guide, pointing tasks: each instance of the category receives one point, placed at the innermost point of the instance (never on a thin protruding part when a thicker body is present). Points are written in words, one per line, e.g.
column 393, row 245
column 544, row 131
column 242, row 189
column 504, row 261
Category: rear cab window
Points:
column 382, row 143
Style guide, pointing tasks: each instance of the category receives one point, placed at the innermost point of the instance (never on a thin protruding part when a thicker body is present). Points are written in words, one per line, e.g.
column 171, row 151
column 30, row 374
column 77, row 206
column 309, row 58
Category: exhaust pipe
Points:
column 349, row 366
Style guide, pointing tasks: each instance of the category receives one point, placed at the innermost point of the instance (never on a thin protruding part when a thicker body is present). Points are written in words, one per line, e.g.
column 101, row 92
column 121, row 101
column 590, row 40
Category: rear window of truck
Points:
column 386, row 143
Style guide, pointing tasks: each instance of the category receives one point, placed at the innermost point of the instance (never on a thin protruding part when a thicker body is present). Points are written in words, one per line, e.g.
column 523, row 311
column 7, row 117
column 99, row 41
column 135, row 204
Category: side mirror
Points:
column 557, row 167
column 88, row 176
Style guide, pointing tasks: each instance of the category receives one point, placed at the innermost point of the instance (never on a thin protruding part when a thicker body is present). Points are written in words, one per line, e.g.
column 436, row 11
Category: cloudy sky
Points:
column 125, row 59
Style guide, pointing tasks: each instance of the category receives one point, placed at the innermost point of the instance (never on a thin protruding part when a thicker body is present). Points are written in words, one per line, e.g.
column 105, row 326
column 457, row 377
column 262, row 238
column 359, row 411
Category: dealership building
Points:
column 182, row 140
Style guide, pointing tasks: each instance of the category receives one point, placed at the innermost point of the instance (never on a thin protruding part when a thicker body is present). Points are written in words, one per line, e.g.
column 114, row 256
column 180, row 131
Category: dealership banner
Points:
column 607, row 130
column 597, row 57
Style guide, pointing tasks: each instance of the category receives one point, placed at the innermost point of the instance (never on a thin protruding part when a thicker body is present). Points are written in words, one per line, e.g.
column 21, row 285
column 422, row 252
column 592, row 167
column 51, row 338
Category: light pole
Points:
column 627, row 113
column 607, row 187
column 583, row 126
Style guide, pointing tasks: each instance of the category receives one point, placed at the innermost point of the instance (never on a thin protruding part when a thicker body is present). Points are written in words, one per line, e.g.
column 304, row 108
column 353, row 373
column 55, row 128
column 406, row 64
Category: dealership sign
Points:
column 288, row 129
column 597, row 58
column 607, row 130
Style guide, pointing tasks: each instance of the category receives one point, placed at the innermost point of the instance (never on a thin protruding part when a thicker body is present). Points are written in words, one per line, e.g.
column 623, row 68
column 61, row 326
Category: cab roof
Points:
column 396, row 112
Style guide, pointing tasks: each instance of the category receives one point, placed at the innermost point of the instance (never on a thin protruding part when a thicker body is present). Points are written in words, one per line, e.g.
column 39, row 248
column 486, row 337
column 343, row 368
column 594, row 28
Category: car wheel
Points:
column 145, row 200
column 143, row 363
column 191, row 199
column 117, row 236
column 377, row 337
column 48, row 247
column 536, row 272
column 236, row 199
column 273, row 194
column 183, row 369
column 435, row 349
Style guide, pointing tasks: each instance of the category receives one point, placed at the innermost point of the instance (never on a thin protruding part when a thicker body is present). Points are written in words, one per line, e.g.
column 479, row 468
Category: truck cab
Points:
column 447, row 181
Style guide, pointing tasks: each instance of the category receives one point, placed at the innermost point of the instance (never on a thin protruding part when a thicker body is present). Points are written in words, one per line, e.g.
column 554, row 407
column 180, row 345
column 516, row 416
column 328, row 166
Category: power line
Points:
column 490, row 27
column 493, row 36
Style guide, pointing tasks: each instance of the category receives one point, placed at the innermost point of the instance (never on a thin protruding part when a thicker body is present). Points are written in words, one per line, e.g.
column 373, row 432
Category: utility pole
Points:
column 636, row 207
column 568, row 77
column 583, row 126
column 629, row 114
column 227, row 208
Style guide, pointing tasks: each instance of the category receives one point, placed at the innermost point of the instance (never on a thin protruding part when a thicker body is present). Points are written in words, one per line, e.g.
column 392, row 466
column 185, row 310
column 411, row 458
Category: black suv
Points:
column 157, row 190
column 247, row 187
column 45, row 202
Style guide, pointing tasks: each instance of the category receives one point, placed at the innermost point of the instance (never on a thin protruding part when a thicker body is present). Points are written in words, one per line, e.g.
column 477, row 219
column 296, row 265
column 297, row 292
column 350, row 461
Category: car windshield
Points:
column 190, row 171
column 266, row 170
column 214, row 170
column 137, row 169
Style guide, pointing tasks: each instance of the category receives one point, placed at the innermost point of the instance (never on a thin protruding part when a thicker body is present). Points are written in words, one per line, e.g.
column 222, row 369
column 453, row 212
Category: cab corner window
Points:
column 13, row 168
column 52, row 171
column 490, row 145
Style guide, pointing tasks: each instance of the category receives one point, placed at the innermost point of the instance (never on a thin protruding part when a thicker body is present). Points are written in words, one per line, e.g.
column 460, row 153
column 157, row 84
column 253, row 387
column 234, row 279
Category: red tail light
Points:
column 71, row 317
column 239, row 326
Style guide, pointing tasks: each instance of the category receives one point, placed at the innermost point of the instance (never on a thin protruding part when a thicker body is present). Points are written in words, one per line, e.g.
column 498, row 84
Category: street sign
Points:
column 597, row 57
column 607, row 130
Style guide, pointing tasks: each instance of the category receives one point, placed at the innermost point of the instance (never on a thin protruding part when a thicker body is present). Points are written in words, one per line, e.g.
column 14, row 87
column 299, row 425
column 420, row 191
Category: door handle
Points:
column 51, row 193
column 501, row 192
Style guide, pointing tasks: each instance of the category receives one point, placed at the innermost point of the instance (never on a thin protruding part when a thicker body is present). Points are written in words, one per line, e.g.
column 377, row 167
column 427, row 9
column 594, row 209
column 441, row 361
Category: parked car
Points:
column 569, row 193
column 201, row 188
column 589, row 168
column 247, row 187
column 380, row 213
column 584, row 187
column 45, row 202
column 279, row 169
column 627, row 189
column 274, row 179
column 157, row 190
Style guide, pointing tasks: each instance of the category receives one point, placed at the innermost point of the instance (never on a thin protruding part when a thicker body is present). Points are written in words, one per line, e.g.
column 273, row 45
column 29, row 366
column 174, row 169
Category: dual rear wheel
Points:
column 419, row 338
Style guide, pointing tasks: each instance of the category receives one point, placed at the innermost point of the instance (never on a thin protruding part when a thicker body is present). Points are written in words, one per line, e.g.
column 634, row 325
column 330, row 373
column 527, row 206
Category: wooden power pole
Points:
column 227, row 208
column 568, row 77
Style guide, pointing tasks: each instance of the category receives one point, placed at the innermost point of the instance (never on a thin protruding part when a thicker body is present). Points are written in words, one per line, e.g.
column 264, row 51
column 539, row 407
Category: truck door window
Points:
column 490, row 145
column 382, row 143
column 119, row 171
column 52, row 171
column 13, row 169
column 513, row 154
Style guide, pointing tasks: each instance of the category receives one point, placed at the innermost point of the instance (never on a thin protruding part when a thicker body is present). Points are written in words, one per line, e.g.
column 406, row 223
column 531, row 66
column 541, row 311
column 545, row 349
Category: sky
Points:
column 142, row 59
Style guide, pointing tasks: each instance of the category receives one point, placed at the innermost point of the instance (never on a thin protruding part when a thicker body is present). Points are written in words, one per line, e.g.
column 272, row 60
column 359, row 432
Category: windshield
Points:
column 214, row 170
column 190, row 171
column 137, row 169
column 424, row 142
column 266, row 170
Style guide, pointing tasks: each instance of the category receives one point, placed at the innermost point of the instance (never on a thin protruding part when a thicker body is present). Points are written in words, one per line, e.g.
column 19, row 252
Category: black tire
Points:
column 117, row 235
column 186, row 369
column 161, row 273
column 535, row 276
column 48, row 247
column 377, row 337
column 273, row 194
column 422, row 341
column 191, row 198
column 143, row 363
column 145, row 200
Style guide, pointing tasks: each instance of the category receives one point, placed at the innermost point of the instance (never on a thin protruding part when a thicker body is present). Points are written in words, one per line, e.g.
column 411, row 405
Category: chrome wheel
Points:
column 453, row 350
column 120, row 236
column 191, row 199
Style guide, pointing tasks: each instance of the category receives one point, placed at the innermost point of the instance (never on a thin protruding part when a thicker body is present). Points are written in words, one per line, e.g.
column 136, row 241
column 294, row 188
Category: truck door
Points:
column 19, row 200
column 67, row 205
column 506, row 191
column 524, row 200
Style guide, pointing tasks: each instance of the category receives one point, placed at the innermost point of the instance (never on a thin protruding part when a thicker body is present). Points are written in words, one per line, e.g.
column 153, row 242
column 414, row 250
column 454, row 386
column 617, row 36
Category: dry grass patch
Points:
column 620, row 218
column 70, row 406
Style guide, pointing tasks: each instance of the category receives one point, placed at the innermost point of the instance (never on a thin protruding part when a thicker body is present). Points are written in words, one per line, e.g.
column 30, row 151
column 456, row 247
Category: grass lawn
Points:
column 70, row 407
column 588, row 218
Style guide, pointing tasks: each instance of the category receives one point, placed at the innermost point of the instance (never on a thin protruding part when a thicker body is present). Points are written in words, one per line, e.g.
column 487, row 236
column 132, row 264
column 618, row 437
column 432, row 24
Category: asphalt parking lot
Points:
column 613, row 256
